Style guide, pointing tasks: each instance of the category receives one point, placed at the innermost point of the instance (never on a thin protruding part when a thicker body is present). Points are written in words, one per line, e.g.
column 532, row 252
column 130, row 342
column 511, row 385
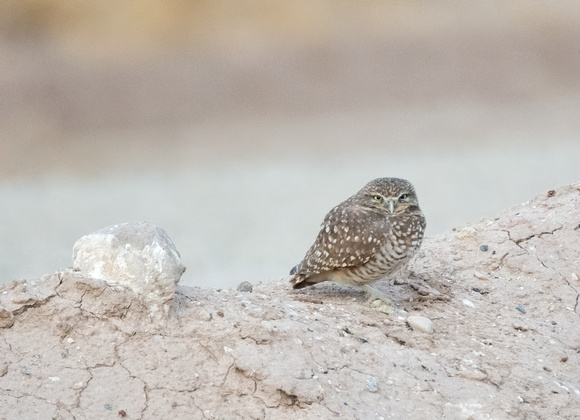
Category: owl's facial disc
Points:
column 393, row 205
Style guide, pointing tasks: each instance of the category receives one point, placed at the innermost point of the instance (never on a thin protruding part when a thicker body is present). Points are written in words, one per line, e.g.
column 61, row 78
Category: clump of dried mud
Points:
column 502, row 295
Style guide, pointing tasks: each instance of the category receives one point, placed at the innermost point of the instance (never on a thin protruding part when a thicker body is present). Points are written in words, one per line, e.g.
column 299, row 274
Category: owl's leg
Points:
column 380, row 301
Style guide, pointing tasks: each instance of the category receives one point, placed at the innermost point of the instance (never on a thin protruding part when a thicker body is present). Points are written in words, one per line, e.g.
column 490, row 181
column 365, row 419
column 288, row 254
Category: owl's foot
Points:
column 380, row 301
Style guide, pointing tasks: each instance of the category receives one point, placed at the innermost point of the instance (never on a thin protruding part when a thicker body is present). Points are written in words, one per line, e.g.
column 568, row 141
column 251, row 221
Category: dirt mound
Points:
column 502, row 295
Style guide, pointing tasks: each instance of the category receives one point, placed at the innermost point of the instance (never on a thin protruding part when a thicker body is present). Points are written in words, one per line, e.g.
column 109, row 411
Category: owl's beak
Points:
column 391, row 206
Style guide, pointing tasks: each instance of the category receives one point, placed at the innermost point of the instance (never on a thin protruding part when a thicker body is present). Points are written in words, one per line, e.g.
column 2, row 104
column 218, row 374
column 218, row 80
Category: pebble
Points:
column 480, row 276
column 383, row 307
column 420, row 323
column 202, row 315
column 372, row 384
column 478, row 290
column 468, row 303
column 466, row 232
column 521, row 309
column 245, row 286
column 483, row 248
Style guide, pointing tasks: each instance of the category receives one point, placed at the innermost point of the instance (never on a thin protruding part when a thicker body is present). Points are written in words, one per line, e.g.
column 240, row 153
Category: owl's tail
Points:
column 299, row 281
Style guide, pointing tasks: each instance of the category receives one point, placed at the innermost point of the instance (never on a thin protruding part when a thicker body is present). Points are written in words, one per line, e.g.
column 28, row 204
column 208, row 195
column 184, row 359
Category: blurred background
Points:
column 236, row 125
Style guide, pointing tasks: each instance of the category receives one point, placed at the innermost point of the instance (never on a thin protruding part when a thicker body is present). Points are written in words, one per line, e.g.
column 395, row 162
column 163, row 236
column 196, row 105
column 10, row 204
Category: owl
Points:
column 366, row 238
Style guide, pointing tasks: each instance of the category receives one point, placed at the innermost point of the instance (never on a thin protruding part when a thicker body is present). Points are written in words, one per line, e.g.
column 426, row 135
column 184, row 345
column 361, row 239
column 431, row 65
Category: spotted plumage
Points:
column 365, row 238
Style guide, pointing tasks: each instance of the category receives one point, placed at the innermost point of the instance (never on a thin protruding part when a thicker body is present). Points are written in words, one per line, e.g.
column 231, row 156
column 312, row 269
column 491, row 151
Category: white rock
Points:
column 372, row 384
column 468, row 303
column 139, row 256
column 466, row 232
column 480, row 276
column 420, row 323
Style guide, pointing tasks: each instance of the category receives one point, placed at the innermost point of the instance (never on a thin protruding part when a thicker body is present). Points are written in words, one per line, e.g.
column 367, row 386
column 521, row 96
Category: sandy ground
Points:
column 503, row 296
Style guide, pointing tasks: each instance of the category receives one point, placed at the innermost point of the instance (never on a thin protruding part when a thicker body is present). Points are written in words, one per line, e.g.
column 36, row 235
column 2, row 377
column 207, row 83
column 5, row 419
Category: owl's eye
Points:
column 377, row 197
column 403, row 197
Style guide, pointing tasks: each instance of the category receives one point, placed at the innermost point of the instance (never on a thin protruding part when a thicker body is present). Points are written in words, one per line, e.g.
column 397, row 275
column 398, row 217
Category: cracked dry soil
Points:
column 503, row 296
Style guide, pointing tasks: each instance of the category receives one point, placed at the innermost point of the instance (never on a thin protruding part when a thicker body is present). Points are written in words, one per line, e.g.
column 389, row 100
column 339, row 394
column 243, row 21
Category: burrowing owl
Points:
column 365, row 238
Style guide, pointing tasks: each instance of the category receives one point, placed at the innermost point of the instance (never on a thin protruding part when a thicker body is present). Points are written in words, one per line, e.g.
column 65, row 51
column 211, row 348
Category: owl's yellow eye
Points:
column 377, row 197
column 403, row 197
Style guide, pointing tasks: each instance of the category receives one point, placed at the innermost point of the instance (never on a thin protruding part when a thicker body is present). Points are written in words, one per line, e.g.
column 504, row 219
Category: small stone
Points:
column 480, row 276
column 554, row 323
column 420, row 323
column 551, row 193
column 382, row 306
column 79, row 385
column 372, row 385
column 468, row 303
column 483, row 248
column 220, row 314
column 203, row 315
column 108, row 407
column 245, row 286
column 25, row 371
column 521, row 309
column 466, row 232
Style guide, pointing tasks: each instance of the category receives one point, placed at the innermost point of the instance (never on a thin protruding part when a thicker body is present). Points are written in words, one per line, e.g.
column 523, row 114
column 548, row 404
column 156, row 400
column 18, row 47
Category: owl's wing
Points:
column 349, row 236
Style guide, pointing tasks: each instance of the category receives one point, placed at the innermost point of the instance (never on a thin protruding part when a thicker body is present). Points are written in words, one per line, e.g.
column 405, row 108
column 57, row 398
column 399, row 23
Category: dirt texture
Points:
column 502, row 295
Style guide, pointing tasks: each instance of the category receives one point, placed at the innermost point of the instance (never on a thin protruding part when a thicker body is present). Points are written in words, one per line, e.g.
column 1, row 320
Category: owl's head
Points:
column 393, row 195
